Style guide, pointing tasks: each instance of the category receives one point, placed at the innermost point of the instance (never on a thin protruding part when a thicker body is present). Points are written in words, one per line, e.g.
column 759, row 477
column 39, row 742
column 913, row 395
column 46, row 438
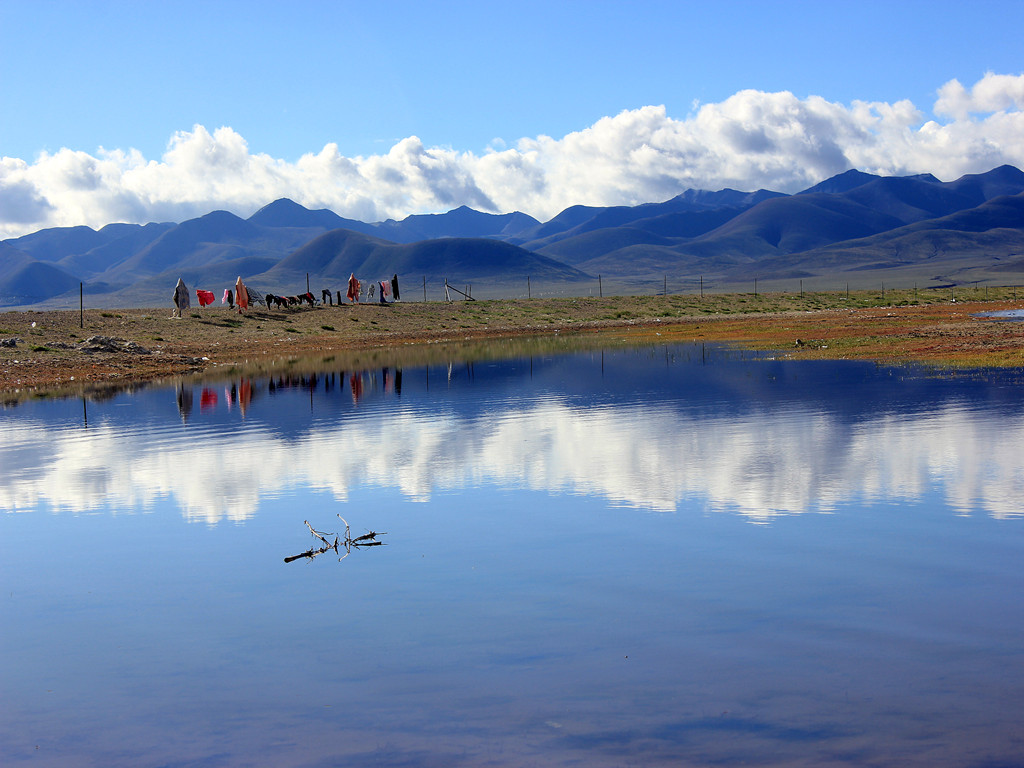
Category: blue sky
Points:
column 110, row 87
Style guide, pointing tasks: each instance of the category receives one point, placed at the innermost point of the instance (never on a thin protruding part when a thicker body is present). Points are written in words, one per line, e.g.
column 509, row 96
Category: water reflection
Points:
column 535, row 612
column 653, row 428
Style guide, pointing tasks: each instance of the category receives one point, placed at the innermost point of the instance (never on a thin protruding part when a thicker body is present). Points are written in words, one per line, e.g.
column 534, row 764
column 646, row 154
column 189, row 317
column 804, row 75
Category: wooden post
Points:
column 424, row 288
column 600, row 289
column 528, row 294
column 801, row 289
column 702, row 286
column 307, row 282
column 883, row 290
column 81, row 307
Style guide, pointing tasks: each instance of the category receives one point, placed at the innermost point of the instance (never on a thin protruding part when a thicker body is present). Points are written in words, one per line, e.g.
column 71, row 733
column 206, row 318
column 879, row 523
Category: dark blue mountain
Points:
column 460, row 222
column 337, row 254
column 288, row 213
column 854, row 220
column 25, row 280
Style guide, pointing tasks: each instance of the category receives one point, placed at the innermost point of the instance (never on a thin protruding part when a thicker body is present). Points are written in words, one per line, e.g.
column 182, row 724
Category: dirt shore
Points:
column 50, row 350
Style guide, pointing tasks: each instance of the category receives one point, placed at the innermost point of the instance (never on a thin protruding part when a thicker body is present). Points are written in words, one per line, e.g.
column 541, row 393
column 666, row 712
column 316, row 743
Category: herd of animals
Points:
column 327, row 298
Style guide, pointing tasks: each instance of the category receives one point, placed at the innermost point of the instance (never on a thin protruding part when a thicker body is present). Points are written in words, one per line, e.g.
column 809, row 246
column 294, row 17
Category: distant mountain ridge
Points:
column 854, row 223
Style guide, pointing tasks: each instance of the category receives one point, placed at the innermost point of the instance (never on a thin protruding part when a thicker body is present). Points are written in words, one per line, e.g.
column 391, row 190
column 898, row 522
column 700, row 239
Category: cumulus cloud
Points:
column 749, row 141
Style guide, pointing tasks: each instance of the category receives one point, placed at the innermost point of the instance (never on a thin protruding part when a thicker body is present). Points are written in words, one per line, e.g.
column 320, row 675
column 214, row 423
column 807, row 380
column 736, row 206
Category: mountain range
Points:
column 854, row 228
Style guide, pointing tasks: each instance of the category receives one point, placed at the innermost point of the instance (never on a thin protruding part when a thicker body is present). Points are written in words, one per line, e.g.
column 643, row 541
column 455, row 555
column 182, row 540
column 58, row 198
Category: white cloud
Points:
column 993, row 93
column 751, row 140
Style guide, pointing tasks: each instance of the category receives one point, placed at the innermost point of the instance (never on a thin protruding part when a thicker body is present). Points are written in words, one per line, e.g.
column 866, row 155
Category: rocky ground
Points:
column 43, row 351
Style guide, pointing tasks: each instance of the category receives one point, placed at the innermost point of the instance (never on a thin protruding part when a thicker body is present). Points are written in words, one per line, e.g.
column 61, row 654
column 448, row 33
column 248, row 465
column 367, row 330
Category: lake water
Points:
column 658, row 556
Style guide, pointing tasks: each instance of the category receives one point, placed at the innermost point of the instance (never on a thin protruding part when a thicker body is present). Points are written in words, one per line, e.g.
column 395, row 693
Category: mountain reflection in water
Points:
column 648, row 428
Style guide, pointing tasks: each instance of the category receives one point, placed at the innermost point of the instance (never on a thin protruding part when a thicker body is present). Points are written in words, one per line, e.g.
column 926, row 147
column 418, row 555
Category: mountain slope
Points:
column 25, row 280
column 288, row 213
column 217, row 236
column 335, row 255
column 990, row 235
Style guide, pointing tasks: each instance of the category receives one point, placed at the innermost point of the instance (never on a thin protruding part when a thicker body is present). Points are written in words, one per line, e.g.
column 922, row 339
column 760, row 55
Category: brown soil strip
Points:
column 54, row 350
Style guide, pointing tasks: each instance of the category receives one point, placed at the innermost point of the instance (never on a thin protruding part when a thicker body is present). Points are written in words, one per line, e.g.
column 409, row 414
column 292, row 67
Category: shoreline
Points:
column 60, row 349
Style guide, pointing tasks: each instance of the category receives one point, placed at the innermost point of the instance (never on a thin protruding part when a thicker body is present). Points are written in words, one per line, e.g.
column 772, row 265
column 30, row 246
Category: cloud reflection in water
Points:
column 755, row 459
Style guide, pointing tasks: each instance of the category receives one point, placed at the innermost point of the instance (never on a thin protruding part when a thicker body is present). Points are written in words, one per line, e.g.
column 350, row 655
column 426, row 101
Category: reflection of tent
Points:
column 244, row 395
column 184, row 401
column 207, row 400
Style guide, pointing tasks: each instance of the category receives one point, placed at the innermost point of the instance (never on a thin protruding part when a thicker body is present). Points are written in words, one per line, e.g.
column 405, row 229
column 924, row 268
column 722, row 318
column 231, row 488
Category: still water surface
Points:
column 670, row 555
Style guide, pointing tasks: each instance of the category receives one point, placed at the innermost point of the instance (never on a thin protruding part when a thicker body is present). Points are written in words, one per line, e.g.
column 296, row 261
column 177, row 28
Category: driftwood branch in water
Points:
column 348, row 543
column 321, row 536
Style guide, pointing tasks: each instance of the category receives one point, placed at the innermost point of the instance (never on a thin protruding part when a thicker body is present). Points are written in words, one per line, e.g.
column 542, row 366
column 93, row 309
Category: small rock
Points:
column 109, row 344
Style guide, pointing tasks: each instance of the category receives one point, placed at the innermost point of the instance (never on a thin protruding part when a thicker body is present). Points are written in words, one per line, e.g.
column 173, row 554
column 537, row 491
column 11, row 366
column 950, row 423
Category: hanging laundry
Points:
column 353, row 288
column 394, row 286
column 205, row 297
column 241, row 295
column 181, row 300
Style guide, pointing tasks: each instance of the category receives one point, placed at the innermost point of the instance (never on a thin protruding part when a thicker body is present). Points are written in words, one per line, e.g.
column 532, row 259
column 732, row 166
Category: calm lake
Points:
column 625, row 556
